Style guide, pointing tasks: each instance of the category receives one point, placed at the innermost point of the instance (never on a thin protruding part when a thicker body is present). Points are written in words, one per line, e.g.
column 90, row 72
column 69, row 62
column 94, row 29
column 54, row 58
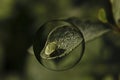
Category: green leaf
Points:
column 116, row 11
column 59, row 44
column 91, row 29
column 102, row 15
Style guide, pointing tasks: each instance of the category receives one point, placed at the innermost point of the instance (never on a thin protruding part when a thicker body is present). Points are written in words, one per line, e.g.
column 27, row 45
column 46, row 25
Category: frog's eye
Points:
column 60, row 47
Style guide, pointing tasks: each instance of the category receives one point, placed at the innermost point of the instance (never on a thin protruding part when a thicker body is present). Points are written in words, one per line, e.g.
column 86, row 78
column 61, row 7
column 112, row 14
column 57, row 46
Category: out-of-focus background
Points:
column 19, row 21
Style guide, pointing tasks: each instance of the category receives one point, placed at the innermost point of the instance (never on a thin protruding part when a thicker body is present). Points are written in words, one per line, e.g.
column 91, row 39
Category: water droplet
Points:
column 59, row 45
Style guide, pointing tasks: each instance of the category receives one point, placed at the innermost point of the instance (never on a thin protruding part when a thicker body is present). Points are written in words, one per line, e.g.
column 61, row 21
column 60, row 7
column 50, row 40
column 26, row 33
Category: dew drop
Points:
column 58, row 45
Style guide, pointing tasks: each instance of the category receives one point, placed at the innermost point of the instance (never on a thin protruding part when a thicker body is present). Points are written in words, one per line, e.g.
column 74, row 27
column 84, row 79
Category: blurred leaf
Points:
column 102, row 15
column 116, row 11
column 6, row 7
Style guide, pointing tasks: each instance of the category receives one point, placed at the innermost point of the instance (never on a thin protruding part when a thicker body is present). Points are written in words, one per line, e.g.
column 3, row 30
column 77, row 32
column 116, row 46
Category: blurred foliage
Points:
column 116, row 11
column 20, row 19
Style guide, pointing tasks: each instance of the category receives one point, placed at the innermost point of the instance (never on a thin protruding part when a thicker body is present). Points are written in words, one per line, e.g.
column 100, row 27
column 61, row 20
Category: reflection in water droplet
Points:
column 63, row 48
column 50, row 48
